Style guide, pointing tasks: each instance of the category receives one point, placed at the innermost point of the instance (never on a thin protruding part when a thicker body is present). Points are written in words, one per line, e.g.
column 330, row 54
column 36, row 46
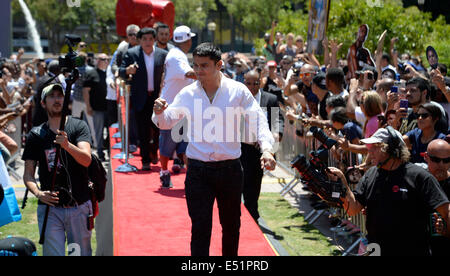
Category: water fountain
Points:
column 31, row 24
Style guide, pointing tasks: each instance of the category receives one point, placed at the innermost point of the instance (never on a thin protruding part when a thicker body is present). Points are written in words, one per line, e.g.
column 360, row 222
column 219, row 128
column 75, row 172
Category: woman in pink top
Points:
column 371, row 107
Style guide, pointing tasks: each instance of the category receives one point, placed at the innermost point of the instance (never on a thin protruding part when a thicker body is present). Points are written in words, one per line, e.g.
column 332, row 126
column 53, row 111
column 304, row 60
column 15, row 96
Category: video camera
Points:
column 71, row 60
column 314, row 172
column 402, row 69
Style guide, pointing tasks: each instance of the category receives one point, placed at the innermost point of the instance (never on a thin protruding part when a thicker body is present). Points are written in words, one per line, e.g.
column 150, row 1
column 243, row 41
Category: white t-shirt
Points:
column 176, row 67
column 359, row 116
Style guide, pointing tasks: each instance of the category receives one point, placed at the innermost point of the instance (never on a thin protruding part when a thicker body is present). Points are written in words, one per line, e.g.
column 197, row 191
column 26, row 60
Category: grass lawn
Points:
column 28, row 227
column 294, row 233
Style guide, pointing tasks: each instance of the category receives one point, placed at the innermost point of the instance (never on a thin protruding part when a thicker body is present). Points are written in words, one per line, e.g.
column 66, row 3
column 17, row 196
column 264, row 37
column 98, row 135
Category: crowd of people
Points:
column 389, row 108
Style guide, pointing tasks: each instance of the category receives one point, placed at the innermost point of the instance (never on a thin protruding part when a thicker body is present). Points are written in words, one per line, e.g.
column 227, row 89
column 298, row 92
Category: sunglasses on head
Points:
column 435, row 159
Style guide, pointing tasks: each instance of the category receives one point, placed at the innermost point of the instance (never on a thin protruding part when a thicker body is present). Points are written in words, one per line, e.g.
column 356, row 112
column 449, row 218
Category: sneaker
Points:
column 165, row 180
column 146, row 166
column 177, row 165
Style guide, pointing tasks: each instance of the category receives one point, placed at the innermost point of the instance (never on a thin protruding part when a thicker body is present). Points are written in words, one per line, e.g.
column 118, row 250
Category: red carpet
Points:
column 150, row 221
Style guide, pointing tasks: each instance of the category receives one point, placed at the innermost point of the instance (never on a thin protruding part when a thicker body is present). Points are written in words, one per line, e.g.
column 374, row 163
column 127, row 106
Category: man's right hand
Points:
column 48, row 197
column 131, row 70
column 159, row 106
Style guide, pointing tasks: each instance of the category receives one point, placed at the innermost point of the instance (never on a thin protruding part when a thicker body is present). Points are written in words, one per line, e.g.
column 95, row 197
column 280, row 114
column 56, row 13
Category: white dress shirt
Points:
column 214, row 128
column 176, row 67
column 150, row 65
column 111, row 92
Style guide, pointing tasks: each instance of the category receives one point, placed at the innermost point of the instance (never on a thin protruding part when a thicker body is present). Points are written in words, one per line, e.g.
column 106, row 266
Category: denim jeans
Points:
column 66, row 224
column 205, row 182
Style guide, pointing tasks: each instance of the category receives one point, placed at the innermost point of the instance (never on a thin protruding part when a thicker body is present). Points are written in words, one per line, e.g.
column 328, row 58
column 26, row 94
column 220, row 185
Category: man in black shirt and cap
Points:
column 397, row 196
column 69, row 202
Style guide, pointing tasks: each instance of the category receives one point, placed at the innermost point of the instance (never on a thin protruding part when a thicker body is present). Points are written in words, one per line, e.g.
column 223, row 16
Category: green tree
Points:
column 257, row 15
column 56, row 17
column 193, row 13
column 415, row 29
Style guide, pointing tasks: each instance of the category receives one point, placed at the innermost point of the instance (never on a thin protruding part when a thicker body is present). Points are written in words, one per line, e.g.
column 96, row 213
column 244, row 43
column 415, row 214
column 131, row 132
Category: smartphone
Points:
column 404, row 104
column 394, row 89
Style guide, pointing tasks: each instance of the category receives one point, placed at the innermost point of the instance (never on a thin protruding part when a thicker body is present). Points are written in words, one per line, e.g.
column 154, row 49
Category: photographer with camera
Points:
column 70, row 206
column 398, row 197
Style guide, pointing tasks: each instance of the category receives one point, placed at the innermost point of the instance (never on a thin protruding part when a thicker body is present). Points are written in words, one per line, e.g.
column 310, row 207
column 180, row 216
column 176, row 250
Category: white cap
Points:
column 182, row 34
column 381, row 136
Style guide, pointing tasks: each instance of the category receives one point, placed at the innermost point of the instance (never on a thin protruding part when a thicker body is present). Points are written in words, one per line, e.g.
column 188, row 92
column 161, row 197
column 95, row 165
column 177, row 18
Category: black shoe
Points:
column 177, row 165
column 165, row 180
column 146, row 166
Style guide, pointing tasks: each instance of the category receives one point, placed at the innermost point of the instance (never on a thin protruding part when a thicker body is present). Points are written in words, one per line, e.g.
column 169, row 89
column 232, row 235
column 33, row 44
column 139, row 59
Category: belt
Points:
column 212, row 164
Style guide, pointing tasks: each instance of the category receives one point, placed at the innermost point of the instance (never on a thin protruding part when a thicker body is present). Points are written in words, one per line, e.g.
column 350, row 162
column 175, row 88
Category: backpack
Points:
column 98, row 176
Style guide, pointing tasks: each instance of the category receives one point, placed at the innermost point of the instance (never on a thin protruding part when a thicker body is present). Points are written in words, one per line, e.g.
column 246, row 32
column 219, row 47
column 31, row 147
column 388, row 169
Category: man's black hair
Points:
column 161, row 26
column 146, row 31
column 339, row 114
column 336, row 101
column 208, row 49
column 336, row 75
column 422, row 84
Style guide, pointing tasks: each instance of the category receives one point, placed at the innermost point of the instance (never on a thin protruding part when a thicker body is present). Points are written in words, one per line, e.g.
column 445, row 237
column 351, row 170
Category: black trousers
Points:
column 253, row 175
column 205, row 182
column 148, row 132
column 111, row 112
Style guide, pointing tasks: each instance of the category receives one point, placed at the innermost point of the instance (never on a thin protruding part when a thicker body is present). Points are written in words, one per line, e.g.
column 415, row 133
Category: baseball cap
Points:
column 320, row 80
column 50, row 88
column 182, row 34
column 381, row 136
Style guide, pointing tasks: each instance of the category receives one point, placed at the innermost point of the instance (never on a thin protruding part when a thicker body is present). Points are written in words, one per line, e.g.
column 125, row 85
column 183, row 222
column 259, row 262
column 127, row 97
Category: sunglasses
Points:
column 423, row 115
column 305, row 75
column 103, row 59
column 435, row 159
column 252, row 83
column 82, row 45
column 132, row 34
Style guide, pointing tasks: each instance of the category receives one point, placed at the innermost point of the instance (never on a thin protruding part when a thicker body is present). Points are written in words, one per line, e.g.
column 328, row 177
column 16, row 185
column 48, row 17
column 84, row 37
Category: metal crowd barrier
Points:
column 298, row 140
column 125, row 92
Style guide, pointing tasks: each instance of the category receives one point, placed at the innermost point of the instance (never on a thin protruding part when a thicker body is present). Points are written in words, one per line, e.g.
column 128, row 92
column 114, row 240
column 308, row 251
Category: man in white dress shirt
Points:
column 178, row 74
column 213, row 107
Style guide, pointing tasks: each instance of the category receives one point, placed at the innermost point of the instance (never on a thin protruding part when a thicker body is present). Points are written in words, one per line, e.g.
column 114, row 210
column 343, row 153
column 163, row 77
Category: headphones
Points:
column 394, row 143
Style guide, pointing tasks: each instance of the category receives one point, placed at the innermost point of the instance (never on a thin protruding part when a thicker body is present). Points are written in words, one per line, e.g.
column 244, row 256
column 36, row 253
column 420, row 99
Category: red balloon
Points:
column 143, row 13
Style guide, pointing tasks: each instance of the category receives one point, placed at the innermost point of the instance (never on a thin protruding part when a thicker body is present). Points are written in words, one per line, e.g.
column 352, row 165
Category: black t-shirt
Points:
column 96, row 80
column 323, row 107
column 311, row 98
column 398, row 206
column 71, row 175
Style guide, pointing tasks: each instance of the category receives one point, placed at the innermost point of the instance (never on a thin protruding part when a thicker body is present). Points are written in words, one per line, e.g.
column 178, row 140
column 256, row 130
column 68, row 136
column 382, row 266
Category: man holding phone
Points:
column 417, row 93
